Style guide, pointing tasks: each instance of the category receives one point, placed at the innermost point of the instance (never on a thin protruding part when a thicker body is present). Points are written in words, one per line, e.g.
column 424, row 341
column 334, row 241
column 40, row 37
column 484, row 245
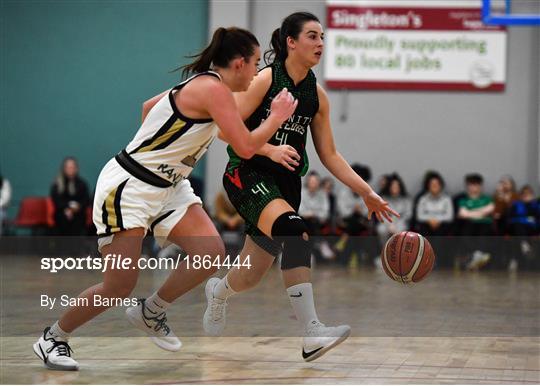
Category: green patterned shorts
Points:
column 250, row 189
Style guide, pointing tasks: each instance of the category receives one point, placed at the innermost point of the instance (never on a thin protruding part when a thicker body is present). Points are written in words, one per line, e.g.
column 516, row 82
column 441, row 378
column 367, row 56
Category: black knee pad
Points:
column 273, row 247
column 291, row 229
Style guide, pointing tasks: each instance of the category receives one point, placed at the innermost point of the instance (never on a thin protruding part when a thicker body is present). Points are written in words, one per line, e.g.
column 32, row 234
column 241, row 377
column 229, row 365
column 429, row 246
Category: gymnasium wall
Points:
column 74, row 75
column 410, row 132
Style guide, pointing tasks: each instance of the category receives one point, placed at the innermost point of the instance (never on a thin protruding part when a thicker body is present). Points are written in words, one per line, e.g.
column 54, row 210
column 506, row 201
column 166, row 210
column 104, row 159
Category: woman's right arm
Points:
column 223, row 110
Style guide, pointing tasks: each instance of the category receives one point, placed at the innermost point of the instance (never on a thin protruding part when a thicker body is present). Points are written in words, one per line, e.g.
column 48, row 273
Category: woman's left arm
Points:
column 321, row 131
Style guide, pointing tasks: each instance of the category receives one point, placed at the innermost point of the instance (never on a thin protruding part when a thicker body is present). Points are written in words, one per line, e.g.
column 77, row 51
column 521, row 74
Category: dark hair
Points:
column 291, row 26
column 391, row 178
column 433, row 175
column 383, row 179
column 327, row 179
column 363, row 171
column 227, row 44
column 525, row 188
column 474, row 178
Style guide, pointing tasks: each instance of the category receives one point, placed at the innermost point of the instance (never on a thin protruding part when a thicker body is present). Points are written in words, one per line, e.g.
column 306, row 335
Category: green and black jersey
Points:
column 293, row 132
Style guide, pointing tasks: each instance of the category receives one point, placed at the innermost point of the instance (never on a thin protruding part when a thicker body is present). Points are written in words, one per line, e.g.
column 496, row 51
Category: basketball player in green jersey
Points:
column 265, row 189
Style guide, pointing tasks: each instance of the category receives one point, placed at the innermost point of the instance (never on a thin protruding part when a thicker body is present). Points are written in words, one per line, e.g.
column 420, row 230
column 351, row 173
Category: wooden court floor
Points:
column 454, row 328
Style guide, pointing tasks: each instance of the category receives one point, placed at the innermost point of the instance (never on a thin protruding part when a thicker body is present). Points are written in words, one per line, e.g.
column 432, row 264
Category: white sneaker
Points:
column 326, row 252
column 320, row 339
column 214, row 319
column 55, row 352
column 478, row 260
column 154, row 325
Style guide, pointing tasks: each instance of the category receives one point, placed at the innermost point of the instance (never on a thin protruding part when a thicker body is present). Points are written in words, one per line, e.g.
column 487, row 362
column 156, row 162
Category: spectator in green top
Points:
column 475, row 209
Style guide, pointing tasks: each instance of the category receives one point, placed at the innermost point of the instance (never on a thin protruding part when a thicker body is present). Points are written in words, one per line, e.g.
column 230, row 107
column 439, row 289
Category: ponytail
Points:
column 278, row 49
column 291, row 26
column 226, row 44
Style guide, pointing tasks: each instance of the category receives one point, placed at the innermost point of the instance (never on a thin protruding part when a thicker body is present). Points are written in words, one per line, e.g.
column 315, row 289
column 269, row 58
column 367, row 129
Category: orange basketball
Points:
column 407, row 257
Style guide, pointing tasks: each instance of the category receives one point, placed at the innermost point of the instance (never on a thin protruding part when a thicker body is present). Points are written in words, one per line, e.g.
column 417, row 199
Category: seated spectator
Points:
column 395, row 194
column 413, row 222
column 352, row 213
column 315, row 210
column 5, row 198
column 352, row 219
column 523, row 223
column 315, row 206
column 351, row 207
column 435, row 211
column 225, row 214
column 434, row 216
column 475, row 210
column 504, row 196
column 70, row 196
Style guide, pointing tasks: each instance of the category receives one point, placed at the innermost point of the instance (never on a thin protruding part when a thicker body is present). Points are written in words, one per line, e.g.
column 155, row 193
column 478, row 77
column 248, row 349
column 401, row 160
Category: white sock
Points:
column 155, row 304
column 301, row 297
column 223, row 289
column 57, row 332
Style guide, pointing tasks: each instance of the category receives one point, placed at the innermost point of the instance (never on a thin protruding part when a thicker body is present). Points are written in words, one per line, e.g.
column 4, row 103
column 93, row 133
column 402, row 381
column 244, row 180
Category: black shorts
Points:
column 251, row 188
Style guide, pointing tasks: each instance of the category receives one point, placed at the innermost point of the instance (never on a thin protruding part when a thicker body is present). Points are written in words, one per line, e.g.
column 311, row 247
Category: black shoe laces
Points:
column 161, row 324
column 62, row 348
column 160, row 319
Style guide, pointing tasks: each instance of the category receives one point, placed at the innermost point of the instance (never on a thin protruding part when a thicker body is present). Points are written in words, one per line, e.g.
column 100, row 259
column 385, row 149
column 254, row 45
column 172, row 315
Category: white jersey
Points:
column 168, row 144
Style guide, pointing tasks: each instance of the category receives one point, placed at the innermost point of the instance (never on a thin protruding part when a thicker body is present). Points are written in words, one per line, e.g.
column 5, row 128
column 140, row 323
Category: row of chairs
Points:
column 37, row 213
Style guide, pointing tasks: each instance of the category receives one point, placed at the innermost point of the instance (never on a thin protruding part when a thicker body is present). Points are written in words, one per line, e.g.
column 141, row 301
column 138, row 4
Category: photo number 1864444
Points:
column 207, row 261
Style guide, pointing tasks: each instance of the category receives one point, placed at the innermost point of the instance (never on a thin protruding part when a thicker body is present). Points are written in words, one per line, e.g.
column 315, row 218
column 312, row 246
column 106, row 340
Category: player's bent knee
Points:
column 291, row 229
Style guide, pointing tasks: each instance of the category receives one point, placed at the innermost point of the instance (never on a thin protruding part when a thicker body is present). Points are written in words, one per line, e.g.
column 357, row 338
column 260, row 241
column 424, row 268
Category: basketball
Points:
column 407, row 257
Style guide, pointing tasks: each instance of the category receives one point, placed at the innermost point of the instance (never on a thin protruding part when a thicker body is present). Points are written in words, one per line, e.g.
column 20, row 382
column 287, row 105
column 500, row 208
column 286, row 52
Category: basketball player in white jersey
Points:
column 145, row 188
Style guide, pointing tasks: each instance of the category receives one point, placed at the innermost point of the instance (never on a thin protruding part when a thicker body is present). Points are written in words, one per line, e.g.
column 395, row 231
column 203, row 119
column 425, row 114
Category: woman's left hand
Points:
column 376, row 205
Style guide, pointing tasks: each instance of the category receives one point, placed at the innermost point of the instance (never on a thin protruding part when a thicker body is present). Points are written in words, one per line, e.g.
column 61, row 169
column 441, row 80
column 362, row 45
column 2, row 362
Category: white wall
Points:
column 410, row 132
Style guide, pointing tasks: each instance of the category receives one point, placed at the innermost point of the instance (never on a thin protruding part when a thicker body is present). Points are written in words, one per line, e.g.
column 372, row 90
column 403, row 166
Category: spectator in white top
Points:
column 351, row 208
column 355, row 224
column 315, row 206
column 434, row 218
column 315, row 209
column 395, row 194
column 435, row 211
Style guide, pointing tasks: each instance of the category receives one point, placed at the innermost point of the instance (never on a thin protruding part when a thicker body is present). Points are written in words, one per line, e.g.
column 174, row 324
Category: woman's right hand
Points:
column 376, row 205
column 285, row 155
column 283, row 105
